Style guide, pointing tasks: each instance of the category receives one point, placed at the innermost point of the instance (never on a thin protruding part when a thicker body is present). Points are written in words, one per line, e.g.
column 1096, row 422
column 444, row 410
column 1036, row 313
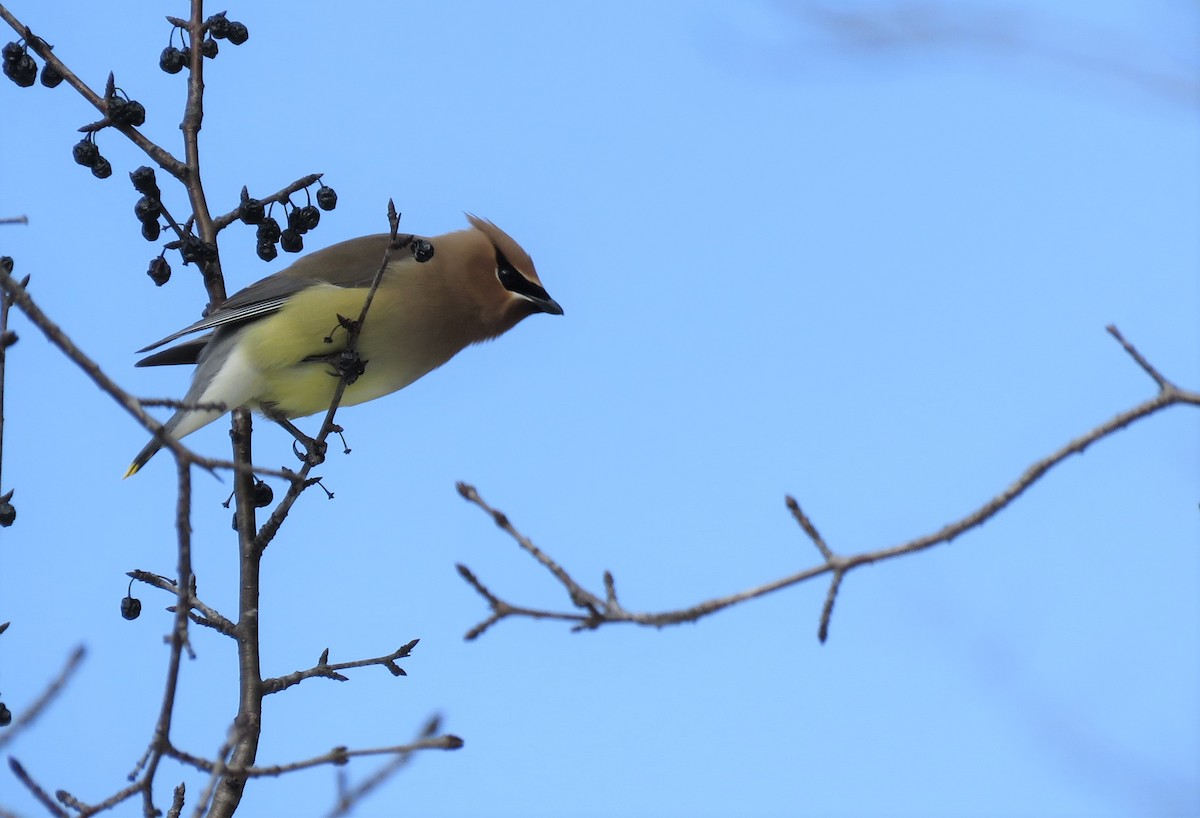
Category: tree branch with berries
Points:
column 281, row 220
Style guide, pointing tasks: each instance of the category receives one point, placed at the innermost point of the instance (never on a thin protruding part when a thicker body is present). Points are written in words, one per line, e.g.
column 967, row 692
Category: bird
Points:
column 274, row 346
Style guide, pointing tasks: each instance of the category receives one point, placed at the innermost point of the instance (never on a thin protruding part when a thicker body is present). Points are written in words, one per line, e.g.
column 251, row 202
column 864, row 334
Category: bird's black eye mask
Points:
column 514, row 282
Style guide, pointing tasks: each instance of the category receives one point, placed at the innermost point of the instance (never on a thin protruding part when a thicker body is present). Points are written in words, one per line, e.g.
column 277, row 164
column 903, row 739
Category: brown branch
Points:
column 325, row 670
column 301, row 481
column 176, row 808
column 349, row 798
column 282, row 195
column 178, row 638
column 337, row 756
column 5, row 342
column 227, row 788
column 608, row 611
column 207, row 616
column 30, row 714
column 35, row 788
column 54, row 334
column 163, row 158
column 580, row 597
column 217, row 768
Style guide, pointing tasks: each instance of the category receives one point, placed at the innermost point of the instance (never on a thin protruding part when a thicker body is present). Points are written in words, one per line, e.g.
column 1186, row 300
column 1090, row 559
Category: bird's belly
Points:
column 307, row 388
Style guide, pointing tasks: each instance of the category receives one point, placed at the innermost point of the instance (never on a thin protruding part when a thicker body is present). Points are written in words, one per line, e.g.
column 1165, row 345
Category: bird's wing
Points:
column 186, row 353
column 351, row 263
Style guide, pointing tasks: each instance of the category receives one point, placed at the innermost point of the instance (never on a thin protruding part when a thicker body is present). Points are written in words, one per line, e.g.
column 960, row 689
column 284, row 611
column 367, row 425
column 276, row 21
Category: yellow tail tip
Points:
column 133, row 469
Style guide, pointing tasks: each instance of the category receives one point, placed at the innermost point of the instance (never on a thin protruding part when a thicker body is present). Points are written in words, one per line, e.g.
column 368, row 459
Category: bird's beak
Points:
column 548, row 304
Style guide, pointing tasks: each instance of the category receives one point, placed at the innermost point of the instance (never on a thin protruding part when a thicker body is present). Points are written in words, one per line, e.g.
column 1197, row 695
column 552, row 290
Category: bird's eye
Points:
column 513, row 281
column 508, row 276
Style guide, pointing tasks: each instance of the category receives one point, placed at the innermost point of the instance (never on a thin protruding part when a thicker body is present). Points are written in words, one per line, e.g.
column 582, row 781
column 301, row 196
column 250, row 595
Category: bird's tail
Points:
column 143, row 457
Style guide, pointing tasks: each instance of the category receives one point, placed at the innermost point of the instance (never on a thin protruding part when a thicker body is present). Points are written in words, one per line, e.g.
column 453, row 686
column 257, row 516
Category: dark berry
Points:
column 422, row 250
column 135, row 114
column 160, row 271
column 326, row 198
column 209, row 48
column 193, row 249
column 267, row 250
column 268, row 230
column 147, row 209
column 12, row 51
column 218, row 26
column 144, row 182
column 6, row 264
column 263, row 495
column 8, row 514
column 102, row 169
column 296, row 222
column 290, row 240
column 238, row 33
column 86, row 153
column 310, row 217
column 252, row 212
column 116, row 109
column 5, row 715
column 151, row 230
column 22, row 70
column 125, row 112
column 131, row 608
column 50, row 76
column 171, row 60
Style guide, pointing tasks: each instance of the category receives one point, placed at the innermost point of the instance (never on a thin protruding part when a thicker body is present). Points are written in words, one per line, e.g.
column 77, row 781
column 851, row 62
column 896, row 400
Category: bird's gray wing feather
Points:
column 351, row 263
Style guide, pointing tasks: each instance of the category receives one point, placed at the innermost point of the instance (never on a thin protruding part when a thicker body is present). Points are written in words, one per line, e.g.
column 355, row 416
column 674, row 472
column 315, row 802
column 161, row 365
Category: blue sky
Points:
column 874, row 278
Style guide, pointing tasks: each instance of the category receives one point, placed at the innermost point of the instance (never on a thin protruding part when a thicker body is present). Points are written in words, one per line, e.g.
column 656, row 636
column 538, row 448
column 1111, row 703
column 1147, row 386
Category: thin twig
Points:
column 29, row 715
column 337, row 756
column 281, row 195
column 1137, row 356
column 208, row 617
column 839, row 566
column 163, row 158
column 323, row 669
column 35, row 788
column 301, row 482
column 348, row 799
column 217, row 769
column 21, row 299
column 580, row 597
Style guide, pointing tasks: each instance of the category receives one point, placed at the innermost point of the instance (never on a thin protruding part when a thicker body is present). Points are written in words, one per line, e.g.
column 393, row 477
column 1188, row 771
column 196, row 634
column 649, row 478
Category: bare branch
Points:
column 327, row 671
column 351, row 797
column 38, row 793
column 207, row 616
column 161, row 157
column 281, row 195
column 608, row 611
column 29, row 715
column 580, row 597
column 1137, row 356
column 21, row 299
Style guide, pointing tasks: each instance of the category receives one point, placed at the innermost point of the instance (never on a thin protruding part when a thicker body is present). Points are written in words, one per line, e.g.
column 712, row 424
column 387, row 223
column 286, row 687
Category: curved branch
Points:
column 598, row 612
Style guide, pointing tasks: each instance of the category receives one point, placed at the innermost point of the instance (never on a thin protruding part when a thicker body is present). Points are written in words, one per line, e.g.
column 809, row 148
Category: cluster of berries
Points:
column 87, row 154
column 149, row 207
column 173, row 59
column 299, row 221
column 21, row 69
column 120, row 111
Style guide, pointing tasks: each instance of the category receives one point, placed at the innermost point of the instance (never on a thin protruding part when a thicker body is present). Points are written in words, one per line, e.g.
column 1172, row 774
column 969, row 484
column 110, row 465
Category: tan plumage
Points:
column 267, row 350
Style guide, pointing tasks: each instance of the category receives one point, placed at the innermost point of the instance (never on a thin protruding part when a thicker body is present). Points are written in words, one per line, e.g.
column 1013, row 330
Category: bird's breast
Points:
column 404, row 337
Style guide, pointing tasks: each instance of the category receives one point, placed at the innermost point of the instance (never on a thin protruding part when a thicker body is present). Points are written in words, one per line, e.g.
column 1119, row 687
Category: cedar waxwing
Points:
column 270, row 346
